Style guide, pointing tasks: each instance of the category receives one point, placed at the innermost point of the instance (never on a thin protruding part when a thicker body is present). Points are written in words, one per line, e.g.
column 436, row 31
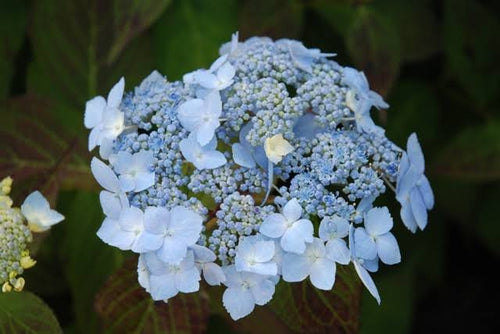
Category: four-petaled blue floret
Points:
column 254, row 170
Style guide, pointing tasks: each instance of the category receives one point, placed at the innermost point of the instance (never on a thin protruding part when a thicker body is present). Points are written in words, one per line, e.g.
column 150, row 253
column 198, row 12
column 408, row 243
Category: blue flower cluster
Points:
column 265, row 166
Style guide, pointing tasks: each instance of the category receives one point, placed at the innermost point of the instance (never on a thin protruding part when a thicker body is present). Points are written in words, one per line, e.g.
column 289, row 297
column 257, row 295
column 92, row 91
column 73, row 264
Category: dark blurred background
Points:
column 437, row 63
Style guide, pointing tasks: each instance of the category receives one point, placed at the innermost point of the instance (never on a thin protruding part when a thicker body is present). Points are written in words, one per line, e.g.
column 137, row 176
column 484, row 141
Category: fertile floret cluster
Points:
column 263, row 167
column 16, row 227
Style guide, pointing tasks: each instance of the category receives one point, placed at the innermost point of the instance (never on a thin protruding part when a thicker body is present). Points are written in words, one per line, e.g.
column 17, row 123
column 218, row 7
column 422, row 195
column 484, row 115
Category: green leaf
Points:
column 417, row 25
column 272, row 18
column 414, row 108
column 189, row 34
column 303, row 308
column 23, row 312
column 471, row 54
column 394, row 314
column 12, row 32
column 37, row 151
column 373, row 44
column 77, row 50
column 88, row 261
column 339, row 15
column 487, row 226
column 125, row 307
column 473, row 155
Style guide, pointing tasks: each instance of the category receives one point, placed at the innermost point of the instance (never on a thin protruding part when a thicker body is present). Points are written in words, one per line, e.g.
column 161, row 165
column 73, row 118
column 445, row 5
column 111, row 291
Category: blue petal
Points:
column 407, row 216
column 418, row 208
column 426, row 191
column 242, row 156
column 415, row 154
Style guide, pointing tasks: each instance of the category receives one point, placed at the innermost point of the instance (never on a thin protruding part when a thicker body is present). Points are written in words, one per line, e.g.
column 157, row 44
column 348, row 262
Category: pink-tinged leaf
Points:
column 37, row 153
column 125, row 307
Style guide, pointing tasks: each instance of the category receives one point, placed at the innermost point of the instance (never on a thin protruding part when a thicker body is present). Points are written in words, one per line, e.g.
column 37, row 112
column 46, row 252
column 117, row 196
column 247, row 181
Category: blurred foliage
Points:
column 436, row 62
column 125, row 307
column 26, row 313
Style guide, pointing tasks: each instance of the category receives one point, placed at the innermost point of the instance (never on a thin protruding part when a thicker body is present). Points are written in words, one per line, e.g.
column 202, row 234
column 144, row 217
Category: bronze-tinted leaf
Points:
column 37, row 152
column 125, row 307
column 306, row 309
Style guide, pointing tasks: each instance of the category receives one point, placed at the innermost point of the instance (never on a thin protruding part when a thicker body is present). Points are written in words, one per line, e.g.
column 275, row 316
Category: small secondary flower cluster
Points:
column 16, row 226
column 263, row 167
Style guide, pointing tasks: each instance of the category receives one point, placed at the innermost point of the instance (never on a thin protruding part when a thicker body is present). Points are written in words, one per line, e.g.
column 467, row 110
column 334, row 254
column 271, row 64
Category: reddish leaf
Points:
column 125, row 307
column 37, row 153
column 306, row 309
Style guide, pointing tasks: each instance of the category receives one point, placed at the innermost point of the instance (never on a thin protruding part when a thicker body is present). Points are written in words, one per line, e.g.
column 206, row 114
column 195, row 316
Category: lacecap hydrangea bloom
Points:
column 16, row 227
column 264, row 167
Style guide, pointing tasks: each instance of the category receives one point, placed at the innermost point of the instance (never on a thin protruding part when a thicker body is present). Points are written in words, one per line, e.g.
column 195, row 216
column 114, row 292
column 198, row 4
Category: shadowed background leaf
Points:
column 45, row 157
column 12, row 31
column 76, row 50
column 471, row 51
column 305, row 309
column 373, row 45
column 272, row 18
column 474, row 154
column 86, row 260
column 125, row 307
column 23, row 312
column 186, row 37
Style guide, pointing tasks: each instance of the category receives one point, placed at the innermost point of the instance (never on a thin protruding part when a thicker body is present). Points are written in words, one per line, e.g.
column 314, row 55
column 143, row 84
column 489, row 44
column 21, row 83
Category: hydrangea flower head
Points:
column 220, row 176
column 16, row 233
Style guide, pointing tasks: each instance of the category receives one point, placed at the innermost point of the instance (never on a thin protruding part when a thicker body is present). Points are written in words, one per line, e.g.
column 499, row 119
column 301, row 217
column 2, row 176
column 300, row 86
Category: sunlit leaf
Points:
column 37, row 151
column 125, row 307
column 306, row 309
column 23, row 312
column 190, row 32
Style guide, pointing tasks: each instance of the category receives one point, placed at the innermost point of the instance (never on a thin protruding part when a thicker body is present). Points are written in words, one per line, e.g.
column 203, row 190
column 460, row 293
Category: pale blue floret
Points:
column 164, row 281
column 134, row 170
column 332, row 230
column 413, row 190
column 170, row 233
column 360, row 100
column 204, row 260
column 375, row 240
column 247, row 155
column 314, row 262
column 244, row 291
column 202, row 157
column 359, row 266
column 301, row 56
column 201, row 116
column 254, row 254
column 294, row 232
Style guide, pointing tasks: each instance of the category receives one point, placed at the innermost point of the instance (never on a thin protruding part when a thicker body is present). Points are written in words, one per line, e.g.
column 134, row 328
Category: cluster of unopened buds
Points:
column 264, row 167
column 16, row 227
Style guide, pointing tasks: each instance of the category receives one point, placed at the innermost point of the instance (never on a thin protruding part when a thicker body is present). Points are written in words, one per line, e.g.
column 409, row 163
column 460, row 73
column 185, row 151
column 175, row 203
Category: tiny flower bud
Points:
column 19, row 285
column 27, row 262
column 6, row 287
